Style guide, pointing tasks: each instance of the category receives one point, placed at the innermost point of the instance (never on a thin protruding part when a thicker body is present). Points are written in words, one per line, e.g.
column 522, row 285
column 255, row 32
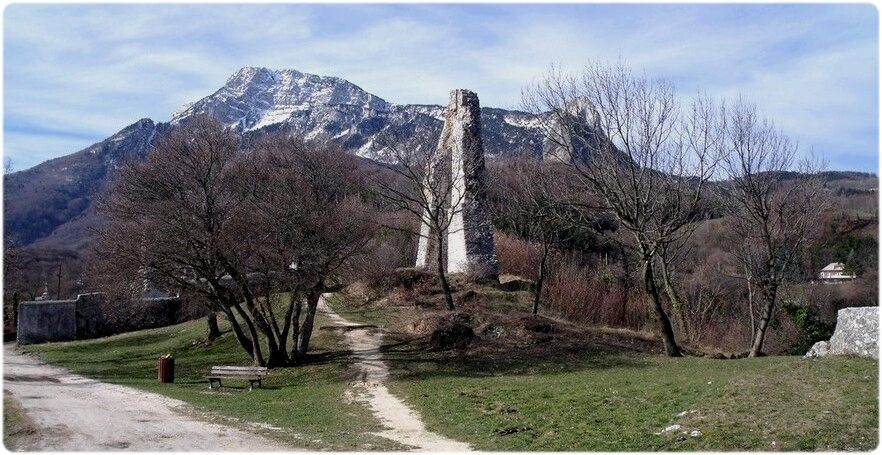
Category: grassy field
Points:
column 619, row 401
column 540, row 397
column 306, row 404
column 595, row 398
column 17, row 428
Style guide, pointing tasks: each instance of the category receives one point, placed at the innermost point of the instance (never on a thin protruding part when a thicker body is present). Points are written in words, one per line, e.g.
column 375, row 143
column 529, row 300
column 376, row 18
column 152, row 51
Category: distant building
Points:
column 45, row 295
column 835, row 273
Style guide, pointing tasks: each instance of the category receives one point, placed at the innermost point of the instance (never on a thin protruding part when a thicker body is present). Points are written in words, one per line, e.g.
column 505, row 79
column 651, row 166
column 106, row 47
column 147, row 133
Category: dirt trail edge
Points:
column 404, row 424
column 75, row 413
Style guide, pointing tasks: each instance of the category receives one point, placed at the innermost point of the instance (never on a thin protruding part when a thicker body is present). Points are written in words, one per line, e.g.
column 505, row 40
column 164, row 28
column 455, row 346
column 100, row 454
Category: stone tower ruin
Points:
column 469, row 244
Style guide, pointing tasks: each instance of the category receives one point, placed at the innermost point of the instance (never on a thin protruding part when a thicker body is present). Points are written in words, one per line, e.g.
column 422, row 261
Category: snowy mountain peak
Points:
column 257, row 97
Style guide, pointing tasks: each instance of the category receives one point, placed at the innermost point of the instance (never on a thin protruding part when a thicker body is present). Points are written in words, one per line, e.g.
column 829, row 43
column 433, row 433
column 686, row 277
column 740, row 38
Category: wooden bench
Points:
column 254, row 375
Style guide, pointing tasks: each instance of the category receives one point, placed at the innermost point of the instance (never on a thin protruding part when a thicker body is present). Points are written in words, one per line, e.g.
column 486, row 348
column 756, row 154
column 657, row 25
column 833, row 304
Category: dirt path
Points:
column 404, row 425
column 74, row 413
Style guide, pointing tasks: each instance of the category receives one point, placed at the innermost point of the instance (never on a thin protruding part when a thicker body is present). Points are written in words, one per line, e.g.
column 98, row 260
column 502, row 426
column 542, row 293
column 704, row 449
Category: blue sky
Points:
column 75, row 74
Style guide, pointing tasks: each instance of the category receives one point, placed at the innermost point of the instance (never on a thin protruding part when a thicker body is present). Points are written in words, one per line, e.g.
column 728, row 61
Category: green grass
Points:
column 17, row 427
column 594, row 398
column 542, row 397
column 618, row 403
column 307, row 402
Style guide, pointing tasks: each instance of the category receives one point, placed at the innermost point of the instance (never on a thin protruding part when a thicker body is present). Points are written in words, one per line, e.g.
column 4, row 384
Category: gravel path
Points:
column 74, row 413
column 403, row 424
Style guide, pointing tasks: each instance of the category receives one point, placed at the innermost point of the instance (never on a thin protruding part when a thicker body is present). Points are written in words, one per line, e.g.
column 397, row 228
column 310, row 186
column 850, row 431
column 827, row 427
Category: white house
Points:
column 834, row 272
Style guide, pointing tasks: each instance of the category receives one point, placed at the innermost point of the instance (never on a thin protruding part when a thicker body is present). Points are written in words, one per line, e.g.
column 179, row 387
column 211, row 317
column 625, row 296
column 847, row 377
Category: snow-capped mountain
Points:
column 258, row 100
column 52, row 203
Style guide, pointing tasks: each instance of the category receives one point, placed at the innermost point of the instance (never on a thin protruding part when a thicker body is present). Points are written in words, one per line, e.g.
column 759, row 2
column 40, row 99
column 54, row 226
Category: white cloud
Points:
column 98, row 68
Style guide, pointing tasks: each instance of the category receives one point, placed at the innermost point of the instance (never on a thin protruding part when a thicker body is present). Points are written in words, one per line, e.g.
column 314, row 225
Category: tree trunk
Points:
column 442, row 276
column 277, row 358
column 295, row 329
column 750, row 306
column 667, row 331
column 537, row 293
column 213, row 329
column 676, row 303
column 312, row 300
column 244, row 341
column 760, row 337
column 256, row 352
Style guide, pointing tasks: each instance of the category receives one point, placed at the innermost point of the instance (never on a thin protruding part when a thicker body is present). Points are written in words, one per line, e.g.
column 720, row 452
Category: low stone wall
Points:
column 93, row 316
column 857, row 333
column 51, row 320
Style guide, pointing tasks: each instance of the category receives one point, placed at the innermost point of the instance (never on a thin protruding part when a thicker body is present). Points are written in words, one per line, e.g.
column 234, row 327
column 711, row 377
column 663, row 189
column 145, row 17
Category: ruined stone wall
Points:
column 468, row 245
column 51, row 320
column 93, row 316
column 479, row 256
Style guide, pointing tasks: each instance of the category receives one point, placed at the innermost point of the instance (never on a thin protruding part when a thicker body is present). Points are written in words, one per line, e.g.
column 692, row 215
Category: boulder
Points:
column 857, row 333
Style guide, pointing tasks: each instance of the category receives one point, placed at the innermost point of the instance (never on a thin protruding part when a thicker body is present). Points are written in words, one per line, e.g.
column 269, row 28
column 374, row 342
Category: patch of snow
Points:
column 522, row 121
column 276, row 115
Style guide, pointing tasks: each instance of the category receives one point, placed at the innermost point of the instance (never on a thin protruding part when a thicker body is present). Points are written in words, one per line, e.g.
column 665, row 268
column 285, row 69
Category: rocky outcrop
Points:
column 574, row 133
column 857, row 333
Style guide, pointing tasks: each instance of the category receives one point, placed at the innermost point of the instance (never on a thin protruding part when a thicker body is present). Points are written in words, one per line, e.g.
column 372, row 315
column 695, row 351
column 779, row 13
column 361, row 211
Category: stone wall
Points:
column 51, row 320
column 459, row 162
column 93, row 316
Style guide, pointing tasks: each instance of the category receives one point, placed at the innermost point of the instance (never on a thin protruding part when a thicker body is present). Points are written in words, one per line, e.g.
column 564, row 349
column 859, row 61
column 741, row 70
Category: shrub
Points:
column 811, row 326
column 516, row 256
column 597, row 297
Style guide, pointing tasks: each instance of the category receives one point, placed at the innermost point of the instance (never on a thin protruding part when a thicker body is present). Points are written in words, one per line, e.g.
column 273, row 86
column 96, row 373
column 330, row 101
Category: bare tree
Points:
column 419, row 182
column 648, row 158
column 774, row 198
column 313, row 223
column 168, row 221
column 199, row 215
column 531, row 208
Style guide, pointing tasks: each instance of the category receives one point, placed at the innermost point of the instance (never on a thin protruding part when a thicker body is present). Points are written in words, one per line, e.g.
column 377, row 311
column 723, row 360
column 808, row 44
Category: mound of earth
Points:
column 487, row 316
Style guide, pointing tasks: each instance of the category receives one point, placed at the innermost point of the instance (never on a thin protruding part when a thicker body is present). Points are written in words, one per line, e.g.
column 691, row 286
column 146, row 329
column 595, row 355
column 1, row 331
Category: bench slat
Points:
column 235, row 372
column 240, row 371
column 239, row 368
column 234, row 377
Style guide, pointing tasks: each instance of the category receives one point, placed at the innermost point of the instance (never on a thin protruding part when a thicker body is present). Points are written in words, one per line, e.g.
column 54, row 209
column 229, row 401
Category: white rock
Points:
column 857, row 333
column 695, row 433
